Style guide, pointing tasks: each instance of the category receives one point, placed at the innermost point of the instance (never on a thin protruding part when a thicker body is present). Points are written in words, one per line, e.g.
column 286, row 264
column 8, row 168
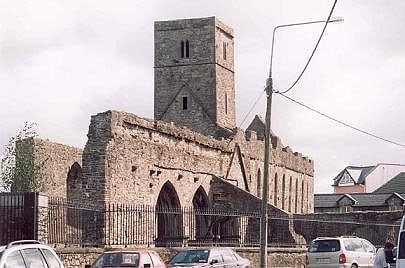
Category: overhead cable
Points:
column 340, row 122
column 313, row 52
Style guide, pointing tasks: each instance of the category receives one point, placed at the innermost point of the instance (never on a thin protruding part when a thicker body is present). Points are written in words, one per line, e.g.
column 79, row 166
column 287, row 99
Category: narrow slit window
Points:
column 187, row 49
column 185, row 103
column 224, row 50
column 226, row 103
column 182, row 49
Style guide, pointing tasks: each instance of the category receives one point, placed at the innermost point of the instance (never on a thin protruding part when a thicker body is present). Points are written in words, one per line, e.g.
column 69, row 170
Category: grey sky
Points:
column 62, row 61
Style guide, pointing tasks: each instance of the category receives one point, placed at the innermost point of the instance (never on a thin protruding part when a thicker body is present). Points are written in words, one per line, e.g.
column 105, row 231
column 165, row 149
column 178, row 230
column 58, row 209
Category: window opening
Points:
column 226, row 103
column 275, row 190
column 182, row 49
column 283, row 192
column 224, row 50
column 187, row 49
column 185, row 103
column 302, row 197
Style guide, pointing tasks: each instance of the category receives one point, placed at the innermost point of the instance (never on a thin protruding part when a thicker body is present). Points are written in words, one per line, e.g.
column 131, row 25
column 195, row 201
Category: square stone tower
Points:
column 194, row 75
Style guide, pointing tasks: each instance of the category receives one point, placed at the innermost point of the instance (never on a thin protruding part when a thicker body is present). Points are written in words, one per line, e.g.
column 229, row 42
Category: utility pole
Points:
column 265, row 194
column 267, row 144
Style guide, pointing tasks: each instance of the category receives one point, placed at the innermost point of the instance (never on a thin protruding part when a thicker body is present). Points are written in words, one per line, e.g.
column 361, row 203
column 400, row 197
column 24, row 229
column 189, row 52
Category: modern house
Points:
column 354, row 179
column 358, row 202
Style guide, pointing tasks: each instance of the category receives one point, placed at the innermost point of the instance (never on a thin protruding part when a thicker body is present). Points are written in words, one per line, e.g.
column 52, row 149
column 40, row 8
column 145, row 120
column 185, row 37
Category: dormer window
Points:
column 185, row 49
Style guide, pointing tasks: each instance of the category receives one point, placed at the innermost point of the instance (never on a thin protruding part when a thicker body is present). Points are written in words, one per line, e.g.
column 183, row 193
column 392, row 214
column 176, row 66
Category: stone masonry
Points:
column 129, row 159
column 194, row 75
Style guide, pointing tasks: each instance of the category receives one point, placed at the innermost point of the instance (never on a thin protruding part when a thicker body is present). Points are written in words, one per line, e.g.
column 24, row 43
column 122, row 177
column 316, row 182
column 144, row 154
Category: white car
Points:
column 208, row 258
column 28, row 254
column 344, row 251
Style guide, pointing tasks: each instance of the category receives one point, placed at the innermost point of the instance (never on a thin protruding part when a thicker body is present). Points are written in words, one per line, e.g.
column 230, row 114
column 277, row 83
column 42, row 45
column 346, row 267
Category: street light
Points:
column 267, row 146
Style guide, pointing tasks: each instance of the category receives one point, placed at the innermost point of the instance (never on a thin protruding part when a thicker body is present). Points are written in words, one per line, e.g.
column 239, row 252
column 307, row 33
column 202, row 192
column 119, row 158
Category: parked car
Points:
column 400, row 254
column 143, row 258
column 28, row 254
column 344, row 251
column 209, row 257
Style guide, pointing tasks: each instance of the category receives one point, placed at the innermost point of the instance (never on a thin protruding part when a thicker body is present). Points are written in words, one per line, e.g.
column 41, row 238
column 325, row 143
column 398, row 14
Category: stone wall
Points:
column 276, row 257
column 284, row 257
column 55, row 160
column 375, row 226
column 129, row 159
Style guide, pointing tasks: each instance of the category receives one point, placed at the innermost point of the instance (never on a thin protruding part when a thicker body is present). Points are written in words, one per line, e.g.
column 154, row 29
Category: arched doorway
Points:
column 169, row 216
column 202, row 220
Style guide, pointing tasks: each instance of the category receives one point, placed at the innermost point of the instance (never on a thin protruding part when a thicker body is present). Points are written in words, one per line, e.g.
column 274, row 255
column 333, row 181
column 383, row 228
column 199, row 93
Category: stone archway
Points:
column 202, row 220
column 73, row 182
column 169, row 216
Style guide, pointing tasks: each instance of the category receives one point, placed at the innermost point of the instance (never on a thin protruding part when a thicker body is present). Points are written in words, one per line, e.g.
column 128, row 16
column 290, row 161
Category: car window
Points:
column 368, row 246
column 33, row 258
column 117, row 259
column 50, row 258
column 327, row 245
column 145, row 259
column 216, row 255
column 191, row 256
column 228, row 256
column 156, row 259
column 353, row 245
column 401, row 250
column 14, row 260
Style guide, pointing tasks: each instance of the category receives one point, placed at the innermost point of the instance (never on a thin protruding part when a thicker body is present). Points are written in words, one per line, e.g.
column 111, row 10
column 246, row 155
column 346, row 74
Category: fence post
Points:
column 42, row 219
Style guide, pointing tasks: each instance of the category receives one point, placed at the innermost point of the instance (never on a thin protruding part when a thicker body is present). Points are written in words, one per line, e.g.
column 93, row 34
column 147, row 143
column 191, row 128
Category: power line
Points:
column 253, row 106
column 340, row 122
column 313, row 52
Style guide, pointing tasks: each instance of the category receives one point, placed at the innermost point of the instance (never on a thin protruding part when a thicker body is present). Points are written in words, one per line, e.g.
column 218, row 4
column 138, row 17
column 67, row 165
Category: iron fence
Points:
column 134, row 225
column 17, row 216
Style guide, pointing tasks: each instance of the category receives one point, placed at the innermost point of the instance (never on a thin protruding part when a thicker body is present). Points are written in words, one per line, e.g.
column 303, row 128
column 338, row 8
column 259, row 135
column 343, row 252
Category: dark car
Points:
column 209, row 257
column 128, row 258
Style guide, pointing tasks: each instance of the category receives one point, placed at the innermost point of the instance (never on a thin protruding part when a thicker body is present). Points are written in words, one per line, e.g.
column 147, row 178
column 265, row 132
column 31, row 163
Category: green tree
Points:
column 19, row 170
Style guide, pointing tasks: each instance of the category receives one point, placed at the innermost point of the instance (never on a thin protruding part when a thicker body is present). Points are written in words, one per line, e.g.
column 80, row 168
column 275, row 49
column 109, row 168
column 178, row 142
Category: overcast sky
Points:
column 62, row 61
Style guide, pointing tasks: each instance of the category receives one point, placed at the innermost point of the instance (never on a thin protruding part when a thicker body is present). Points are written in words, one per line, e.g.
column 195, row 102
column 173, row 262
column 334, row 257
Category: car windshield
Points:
column 117, row 259
column 327, row 245
column 191, row 256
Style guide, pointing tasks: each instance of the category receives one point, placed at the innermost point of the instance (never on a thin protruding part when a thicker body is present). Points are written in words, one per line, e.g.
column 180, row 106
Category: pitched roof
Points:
column 396, row 184
column 356, row 174
column 360, row 199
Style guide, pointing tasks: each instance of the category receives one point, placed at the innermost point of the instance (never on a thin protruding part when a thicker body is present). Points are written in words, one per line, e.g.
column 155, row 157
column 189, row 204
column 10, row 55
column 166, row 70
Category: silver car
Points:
column 209, row 257
column 28, row 253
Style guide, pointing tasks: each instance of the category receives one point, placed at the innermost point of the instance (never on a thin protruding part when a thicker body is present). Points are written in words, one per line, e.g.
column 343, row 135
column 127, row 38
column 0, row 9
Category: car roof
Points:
column 128, row 250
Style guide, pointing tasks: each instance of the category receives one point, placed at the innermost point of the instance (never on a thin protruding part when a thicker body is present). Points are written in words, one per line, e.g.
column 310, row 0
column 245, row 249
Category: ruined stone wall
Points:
column 54, row 161
column 129, row 159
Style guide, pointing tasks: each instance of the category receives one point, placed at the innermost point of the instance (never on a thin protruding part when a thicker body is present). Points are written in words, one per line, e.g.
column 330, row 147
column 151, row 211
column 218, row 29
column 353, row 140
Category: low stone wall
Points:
column 78, row 257
column 277, row 257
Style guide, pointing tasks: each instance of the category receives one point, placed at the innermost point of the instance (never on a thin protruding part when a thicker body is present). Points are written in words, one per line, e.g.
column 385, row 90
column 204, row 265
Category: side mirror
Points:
column 147, row 265
column 214, row 261
column 87, row 266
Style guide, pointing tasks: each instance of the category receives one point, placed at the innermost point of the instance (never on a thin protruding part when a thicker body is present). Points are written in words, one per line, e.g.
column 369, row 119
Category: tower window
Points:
column 224, row 50
column 182, row 49
column 185, row 49
column 185, row 103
